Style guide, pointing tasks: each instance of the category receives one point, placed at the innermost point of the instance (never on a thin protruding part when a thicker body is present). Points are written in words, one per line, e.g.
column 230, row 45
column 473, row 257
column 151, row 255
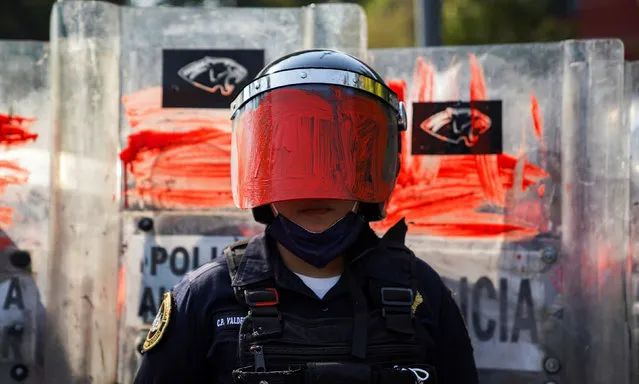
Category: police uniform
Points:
column 199, row 343
column 313, row 125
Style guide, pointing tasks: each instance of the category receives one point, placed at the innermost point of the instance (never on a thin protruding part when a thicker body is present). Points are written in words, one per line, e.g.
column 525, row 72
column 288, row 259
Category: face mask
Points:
column 317, row 249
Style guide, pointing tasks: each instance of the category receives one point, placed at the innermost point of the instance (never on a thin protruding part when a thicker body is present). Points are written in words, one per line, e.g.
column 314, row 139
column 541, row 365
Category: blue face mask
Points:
column 317, row 249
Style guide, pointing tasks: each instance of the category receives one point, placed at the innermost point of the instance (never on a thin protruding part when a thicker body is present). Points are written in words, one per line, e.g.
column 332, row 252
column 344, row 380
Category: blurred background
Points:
column 405, row 23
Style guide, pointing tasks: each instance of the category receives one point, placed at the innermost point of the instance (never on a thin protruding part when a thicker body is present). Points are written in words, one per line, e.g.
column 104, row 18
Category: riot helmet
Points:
column 315, row 124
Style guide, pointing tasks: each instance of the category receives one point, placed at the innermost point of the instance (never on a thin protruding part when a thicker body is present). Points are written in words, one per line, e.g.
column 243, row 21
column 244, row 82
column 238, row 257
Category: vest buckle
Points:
column 396, row 309
column 261, row 297
column 397, row 296
column 263, row 312
column 396, row 300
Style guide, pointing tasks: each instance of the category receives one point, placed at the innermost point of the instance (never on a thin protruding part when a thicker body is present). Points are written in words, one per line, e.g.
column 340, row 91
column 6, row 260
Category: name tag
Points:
column 231, row 320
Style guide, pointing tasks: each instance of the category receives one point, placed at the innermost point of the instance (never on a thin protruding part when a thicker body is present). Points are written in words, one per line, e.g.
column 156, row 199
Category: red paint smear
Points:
column 466, row 196
column 425, row 72
column 477, row 82
column 486, row 164
column 121, row 291
column 419, row 169
column 178, row 158
column 538, row 124
column 399, row 87
column 14, row 131
column 537, row 119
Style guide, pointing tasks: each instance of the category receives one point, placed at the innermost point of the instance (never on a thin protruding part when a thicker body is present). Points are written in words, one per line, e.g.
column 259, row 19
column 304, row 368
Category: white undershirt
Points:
column 319, row 285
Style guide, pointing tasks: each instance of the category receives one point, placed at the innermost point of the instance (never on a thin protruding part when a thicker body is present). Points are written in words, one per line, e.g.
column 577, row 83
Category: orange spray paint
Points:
column 14, row 131
column 465, row 195
column 177, row 158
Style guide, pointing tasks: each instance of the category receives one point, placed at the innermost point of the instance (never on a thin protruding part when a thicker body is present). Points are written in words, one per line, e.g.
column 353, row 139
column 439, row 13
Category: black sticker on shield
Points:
column 206, row 78
column 457, row 128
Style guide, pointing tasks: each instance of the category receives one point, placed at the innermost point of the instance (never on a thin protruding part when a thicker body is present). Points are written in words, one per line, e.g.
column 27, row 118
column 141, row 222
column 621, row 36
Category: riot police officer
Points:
column 318, row 297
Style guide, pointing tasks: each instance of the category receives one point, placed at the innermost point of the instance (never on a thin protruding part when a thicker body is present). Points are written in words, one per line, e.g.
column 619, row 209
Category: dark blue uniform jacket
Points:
column 200, row 342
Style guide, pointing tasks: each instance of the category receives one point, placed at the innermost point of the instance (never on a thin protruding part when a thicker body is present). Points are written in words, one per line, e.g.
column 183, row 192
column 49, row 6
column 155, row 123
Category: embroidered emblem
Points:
column 418, row 300
column 159, row 323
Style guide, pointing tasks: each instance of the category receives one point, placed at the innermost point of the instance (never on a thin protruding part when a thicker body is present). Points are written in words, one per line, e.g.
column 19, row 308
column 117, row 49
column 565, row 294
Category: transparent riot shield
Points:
column 514, row 181
column 632, row 99
column 24, row 202
column 154, row 85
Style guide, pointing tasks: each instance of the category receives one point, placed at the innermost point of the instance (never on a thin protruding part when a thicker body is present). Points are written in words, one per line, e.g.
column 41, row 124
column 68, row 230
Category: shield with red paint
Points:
column 25, row 195
column 174, row 137
column 530, row 235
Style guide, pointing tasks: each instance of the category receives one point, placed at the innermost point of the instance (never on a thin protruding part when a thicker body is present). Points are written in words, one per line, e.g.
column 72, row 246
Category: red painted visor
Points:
column 313, row 141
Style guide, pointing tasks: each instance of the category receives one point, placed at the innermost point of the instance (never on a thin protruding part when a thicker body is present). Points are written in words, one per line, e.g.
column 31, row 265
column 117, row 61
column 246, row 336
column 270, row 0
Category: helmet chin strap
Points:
column 276, row 213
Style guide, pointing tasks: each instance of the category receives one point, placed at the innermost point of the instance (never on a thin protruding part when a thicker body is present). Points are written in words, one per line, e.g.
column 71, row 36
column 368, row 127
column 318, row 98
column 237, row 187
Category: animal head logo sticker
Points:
column 457, row 124
column 214, row 74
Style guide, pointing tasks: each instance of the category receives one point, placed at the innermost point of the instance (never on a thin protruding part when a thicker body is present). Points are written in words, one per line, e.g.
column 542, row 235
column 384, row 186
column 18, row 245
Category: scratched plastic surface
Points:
column 24, row 198
column 493, row 224
column 84, row 210
column 193, row 171
column 108, row 79
column 632, row 98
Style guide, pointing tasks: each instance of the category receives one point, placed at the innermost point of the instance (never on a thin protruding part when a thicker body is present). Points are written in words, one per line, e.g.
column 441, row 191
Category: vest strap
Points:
column 263, row 311
column 360, row 316
column 234, row 254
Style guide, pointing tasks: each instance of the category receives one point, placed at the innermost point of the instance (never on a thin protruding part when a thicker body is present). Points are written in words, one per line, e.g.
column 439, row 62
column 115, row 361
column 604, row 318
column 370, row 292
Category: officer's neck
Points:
column 297, row 265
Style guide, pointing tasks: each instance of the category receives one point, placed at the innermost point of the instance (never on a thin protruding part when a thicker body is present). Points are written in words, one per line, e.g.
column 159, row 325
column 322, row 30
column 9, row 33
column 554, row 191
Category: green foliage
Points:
column 390, row 23
column 502, row 21
column 465, row 22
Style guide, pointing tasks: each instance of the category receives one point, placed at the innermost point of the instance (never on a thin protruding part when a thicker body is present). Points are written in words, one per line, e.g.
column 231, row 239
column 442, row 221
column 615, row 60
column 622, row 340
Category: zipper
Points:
column 258, row 356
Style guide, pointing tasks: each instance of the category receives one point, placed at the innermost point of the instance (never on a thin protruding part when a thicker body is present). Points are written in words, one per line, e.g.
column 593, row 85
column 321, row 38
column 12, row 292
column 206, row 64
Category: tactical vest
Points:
column 381, row 343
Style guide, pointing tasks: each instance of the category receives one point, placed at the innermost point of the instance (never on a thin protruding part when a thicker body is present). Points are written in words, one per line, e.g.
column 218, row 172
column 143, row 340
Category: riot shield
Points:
column 514, row 181
column 154, row 85
column 632, row 99
column 24, row 198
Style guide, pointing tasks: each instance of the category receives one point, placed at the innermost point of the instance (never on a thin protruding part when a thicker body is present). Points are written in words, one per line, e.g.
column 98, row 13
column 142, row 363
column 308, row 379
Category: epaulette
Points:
column 234, row 253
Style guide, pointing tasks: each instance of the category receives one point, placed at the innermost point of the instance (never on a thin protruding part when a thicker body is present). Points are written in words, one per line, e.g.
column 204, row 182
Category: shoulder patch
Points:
column 234, row 254
column 418, row 300
column 159, row 323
